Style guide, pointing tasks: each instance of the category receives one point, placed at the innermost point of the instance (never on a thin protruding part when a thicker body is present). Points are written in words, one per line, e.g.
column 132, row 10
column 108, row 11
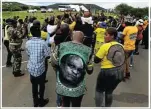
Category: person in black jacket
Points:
column 63, row 34
column 146, row 39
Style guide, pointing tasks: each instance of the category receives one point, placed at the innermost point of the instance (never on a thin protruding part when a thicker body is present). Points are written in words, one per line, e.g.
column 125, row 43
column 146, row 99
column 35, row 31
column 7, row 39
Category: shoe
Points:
column 124, row 79
column 9, row 65
column 46, row 81
column 43, row 102
column 36, row 102
column 18, row 74
column 136, row 53
column 22, row 49
column 145, row 48
column 130, row 65
column 127, row 76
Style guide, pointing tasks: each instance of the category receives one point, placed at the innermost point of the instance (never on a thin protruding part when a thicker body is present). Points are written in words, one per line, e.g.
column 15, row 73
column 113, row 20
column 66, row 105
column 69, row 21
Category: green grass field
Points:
column 40, row 16
column 22, row 14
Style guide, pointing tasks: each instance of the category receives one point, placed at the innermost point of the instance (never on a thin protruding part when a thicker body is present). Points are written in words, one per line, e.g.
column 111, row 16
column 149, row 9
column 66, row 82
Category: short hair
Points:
column 112, row 31
column 20, row 20
column 35, row 31
column 64, row 28
column 59, row 17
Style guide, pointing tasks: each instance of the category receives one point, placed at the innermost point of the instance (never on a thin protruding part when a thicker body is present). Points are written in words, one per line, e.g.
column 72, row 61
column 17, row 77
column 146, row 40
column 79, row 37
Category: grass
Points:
column 22, row 14
column 40, row 16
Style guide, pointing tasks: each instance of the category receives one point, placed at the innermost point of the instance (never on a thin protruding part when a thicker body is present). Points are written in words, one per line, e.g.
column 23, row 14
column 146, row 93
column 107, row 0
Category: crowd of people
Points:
column 74, row 44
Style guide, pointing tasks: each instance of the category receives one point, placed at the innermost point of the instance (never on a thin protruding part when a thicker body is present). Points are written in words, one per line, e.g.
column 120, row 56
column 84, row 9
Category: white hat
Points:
column 140, row 22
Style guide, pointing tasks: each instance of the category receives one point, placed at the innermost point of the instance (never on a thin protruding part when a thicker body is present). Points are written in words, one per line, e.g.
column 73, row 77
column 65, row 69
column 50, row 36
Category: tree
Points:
column 35, row 7
column 139, row 12
column 24, row 7
column 123, row 9
column 126, row 9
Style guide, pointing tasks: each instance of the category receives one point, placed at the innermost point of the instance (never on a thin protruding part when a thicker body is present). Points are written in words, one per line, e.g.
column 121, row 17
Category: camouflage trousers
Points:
column 16, row 52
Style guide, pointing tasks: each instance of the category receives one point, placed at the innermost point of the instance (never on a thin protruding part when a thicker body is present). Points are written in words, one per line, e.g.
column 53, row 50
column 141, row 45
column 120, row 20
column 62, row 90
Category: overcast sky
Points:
column 102, row 3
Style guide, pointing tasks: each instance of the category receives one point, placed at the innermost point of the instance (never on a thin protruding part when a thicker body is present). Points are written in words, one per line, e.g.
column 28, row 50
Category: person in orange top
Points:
column 129, row 36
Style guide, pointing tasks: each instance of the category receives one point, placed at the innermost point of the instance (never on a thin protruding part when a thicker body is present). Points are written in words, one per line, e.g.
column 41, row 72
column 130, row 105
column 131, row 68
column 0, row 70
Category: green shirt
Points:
column 84, row 53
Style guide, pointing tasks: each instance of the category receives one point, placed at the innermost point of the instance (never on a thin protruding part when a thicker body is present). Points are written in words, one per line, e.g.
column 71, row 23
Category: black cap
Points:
column 8, row 20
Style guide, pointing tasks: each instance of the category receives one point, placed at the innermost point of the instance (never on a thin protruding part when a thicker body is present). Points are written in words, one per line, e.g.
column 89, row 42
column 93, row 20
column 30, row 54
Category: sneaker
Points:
column 136, row 53
column 130, row 65
column 43, row 102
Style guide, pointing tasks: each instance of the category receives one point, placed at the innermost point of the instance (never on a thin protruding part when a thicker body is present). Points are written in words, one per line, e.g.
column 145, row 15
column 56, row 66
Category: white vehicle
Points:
column 62, row 8
column 43, row 10
column 50, row 10
column 72, row 8
column 32, row 11
column 35, row 10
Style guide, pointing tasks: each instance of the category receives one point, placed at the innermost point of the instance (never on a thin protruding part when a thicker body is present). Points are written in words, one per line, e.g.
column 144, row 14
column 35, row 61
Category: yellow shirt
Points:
column 71, row 26
column 43, row 35
column 102, row 54
column 100, row 32
column 130, row 34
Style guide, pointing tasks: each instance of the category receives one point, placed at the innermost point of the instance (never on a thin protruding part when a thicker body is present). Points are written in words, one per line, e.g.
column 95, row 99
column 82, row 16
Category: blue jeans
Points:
column 59, row 100
column 131, row 58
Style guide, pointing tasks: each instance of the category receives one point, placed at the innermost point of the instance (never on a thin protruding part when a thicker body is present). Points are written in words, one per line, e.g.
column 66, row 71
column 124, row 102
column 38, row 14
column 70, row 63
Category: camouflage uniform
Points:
column 16, row 35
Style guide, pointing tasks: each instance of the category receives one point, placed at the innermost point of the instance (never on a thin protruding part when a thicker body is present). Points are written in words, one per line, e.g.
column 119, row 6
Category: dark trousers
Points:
column 146, row 40
column 136, row 45
column 107, row 81
column 46, row 67
column 38, row 82
column 9, row 55
column 74, row 101
column 143, row 40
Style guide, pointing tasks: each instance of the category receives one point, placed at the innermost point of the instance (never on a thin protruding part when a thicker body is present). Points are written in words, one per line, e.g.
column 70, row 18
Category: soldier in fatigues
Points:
column 16, row 35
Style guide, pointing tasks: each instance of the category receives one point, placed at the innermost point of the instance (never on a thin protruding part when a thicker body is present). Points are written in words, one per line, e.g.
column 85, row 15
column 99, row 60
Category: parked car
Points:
column 43, row 10
column 50, row 10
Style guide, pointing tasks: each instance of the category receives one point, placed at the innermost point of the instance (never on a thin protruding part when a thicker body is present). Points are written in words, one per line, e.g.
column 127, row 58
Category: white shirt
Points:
column 51, row 28
column 88, row 20
column 29, row 26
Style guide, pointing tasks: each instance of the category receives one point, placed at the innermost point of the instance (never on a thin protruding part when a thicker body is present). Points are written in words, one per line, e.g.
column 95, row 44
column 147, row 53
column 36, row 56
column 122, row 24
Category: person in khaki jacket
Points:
column 16, row 35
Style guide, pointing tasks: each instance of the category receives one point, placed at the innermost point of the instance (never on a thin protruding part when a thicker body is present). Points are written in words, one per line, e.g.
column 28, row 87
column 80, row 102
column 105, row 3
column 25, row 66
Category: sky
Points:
column 107, row 4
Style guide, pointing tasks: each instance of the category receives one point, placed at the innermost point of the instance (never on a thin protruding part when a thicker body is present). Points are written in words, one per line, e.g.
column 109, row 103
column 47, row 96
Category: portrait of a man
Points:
column 71, row 70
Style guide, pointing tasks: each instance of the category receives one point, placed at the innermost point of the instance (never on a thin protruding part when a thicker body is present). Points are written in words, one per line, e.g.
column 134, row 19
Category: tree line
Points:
column 13, row 6
column 129, row 10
